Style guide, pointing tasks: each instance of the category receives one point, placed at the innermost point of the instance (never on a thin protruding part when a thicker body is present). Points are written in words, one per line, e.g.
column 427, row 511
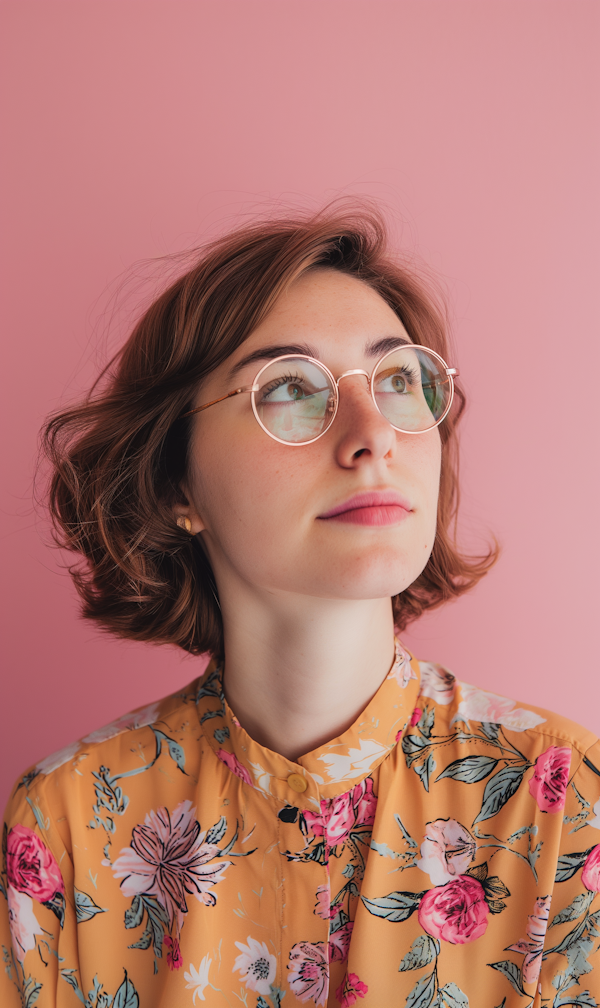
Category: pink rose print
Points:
column 550, row 778
column 173, row 952
column 339, row 816
column 590, row 875
column 456, row 912
column 339, row 943
column 231, row 760
column 415, row 717
column 309, row 972
column 322, row 908
column 31, row 867
column 168, row 859
column 350, row 989
column 532, row 945
column 447, row 851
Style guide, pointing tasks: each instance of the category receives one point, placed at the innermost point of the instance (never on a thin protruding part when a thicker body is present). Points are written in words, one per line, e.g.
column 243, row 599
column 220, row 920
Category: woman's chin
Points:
column 362, row 581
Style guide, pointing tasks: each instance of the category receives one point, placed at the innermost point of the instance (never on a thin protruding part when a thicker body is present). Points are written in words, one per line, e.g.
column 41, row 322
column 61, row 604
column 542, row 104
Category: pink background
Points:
column 135, row 129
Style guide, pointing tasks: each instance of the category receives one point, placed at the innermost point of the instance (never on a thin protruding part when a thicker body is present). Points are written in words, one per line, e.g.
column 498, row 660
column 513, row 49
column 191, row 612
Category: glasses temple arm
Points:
column 246, row 388
column 450, row 373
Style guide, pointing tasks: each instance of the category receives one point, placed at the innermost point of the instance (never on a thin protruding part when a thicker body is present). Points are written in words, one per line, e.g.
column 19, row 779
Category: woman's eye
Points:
column 286, row 392
column 394, row 383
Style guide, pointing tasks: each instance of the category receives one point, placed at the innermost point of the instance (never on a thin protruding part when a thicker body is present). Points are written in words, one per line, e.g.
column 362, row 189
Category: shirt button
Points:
column 297, row 783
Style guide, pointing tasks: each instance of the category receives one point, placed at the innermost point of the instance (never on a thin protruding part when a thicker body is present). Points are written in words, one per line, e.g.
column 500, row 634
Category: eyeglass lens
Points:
column 411, row 389
column 296, row 398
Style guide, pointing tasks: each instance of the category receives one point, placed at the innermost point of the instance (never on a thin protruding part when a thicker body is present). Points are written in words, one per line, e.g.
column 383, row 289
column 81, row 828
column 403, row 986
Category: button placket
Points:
column 297, row 783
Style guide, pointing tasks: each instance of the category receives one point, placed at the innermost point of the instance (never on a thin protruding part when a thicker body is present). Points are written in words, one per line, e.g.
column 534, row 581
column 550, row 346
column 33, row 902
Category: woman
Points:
column 267, row 474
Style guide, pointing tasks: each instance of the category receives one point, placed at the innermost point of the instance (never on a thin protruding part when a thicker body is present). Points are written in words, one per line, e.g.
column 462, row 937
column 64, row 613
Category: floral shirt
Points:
column 444, row 851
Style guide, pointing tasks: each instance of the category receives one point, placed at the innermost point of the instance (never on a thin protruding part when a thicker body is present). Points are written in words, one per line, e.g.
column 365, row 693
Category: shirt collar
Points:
column 332, row 768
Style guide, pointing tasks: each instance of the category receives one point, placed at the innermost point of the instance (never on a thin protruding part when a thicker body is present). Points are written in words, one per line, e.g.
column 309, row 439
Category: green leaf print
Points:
column 568, row 864
column 570, row 939
column 398, row 906
column 57, row 905
column 176, row 751
column 425, row 770
column 145, row 941
column 422, row 993
column 469, row 769
column 577, row 956
column 31, row 992
column 490, row 729
column 126, row 996
column 594, row 922
column 575, row 909
column 134, row 913
column 155, row 925
column 423, row 950
column 70, row 975
column 511, row 972
column 405, row 834
column 412, row 747
column 499, row 789
column 451, row 996
column 217, row 832
column 85, row 908
column 427, row 721
column 583, row 1000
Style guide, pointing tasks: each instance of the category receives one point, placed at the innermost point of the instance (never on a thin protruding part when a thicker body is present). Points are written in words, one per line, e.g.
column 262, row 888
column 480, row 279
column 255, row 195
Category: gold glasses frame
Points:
column 450, row 372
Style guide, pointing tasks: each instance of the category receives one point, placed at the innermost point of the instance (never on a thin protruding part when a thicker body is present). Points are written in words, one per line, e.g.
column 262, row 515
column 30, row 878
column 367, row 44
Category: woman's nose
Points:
column 362, row 432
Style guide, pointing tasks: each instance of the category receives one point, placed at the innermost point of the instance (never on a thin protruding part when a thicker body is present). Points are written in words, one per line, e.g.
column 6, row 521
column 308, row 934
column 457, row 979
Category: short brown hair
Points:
column 118, row 457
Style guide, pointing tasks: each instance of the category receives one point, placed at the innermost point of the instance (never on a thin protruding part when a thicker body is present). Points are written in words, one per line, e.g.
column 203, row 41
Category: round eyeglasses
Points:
column 295, row 398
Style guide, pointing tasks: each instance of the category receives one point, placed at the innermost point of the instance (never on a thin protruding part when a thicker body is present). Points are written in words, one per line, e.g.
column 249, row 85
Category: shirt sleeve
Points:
column 570, row 972
column 37, row 908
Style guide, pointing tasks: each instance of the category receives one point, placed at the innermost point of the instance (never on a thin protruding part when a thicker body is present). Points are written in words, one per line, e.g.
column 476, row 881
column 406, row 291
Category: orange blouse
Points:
column 444, row 851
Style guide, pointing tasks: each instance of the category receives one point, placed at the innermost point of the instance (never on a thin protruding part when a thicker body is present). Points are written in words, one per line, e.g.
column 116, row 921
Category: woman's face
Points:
column 262, row 505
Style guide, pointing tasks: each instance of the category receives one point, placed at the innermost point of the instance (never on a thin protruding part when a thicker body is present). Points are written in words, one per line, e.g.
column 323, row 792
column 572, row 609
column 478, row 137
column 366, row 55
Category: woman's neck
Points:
column 299, row 670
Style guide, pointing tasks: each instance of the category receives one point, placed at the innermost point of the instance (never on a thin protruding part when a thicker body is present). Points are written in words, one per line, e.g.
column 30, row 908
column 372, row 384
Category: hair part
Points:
column 119, row 457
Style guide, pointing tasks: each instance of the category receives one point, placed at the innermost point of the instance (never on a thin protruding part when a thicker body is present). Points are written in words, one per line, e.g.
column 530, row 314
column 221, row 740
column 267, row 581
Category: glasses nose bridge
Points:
column 354, row 371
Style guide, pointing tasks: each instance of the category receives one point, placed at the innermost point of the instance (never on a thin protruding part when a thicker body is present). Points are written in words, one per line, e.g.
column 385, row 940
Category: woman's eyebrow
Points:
column 378, row 347
column 375, row 348
column 271, row 352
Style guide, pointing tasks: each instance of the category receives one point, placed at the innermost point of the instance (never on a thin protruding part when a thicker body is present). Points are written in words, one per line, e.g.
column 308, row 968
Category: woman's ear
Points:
column 185, row 513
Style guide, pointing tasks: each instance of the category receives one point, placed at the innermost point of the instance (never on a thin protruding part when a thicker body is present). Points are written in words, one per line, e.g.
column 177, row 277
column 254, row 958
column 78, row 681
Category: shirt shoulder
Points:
column 458, row 701
column 101, row 744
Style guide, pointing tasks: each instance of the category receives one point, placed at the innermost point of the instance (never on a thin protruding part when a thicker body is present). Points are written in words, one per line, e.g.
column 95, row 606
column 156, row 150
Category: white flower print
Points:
column 256, row 965
column 58, row 759
column 262, row 779
column 437, row 683
column 478, row 705
column 402, row 671
column 24, row 925
column 595, row 822
column 447, row 851
column 355, row 762
column 128, row 722
column 197, row 979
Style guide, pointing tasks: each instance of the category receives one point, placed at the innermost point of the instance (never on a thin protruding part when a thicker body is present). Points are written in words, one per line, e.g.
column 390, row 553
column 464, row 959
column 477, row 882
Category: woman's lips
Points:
column 375, row 508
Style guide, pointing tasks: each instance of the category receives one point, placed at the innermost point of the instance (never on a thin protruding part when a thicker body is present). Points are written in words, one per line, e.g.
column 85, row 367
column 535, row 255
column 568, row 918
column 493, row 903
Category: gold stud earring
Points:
column 184, row 523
